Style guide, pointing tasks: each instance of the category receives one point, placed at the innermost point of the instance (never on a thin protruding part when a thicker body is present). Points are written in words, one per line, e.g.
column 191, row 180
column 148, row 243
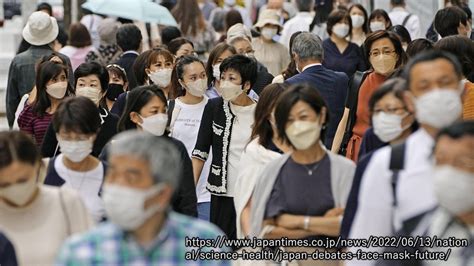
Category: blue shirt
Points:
column 348, row 62
column 107, row 244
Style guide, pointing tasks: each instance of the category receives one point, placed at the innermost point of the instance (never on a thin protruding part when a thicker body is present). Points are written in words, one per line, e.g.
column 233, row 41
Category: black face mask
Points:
column 114, row 91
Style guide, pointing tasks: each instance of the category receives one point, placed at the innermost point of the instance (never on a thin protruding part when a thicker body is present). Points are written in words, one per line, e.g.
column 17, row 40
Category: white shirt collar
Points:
column 310, row 65
column 399, row 8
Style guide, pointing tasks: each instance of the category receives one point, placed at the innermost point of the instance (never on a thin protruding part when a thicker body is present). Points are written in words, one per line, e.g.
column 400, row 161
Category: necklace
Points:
column 312, row 169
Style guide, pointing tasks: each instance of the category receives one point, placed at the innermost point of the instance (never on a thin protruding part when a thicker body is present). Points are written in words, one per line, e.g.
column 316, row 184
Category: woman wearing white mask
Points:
column 159, row 66
column 146, row 110
column 76, row 124
column 379, row 20
column 51, row 87
column 359, row 20
column 217, row 55
column 340, row 54
column 226, row 127
column 385, row 53
column 186, row 113
column 302, row 195
column 37, row 218
column 91, row 82
column 270, row 53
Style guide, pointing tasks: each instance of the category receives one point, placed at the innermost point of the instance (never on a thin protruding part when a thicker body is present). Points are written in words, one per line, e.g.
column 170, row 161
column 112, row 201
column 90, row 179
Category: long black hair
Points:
column 136, row 99
column 47, row 71
column 178, row 71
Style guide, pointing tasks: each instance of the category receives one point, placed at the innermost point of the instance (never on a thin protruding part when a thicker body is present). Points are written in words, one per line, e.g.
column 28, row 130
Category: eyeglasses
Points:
column 376, row 53
column 394, row 110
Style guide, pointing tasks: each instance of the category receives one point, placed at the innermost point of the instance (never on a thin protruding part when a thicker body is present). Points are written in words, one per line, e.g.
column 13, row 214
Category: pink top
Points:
column 76, row 55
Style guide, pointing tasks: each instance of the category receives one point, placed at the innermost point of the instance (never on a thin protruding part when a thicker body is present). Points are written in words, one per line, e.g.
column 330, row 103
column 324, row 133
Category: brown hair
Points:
column 188, row 13
column 338, row 16
column 394, row 39
column 80, row 36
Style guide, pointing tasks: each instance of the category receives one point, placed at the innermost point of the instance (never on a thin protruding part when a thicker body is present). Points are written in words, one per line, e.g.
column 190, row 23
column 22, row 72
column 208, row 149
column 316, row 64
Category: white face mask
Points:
column 268, row 33
column 388, row 127
column 155, row 124
column 19, row 194
column 341, row 30
column 230, row 91
column 216, row 71
column 57, row 90
column 161, row 77
column 377, row 25
column 454, row 188
column 357, row 21
column 76, row 151
column 303, row 134
column 439, row 108
column 125, row 206
column 197, row 88
column 94, row 94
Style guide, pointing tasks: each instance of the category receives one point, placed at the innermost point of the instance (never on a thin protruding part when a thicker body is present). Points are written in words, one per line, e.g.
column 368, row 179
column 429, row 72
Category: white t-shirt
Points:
column 87, row 184
column 186, row 123
column 240, row 137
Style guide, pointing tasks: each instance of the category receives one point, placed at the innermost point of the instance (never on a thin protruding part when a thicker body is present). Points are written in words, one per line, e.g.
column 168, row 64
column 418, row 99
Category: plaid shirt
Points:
column 107, row 244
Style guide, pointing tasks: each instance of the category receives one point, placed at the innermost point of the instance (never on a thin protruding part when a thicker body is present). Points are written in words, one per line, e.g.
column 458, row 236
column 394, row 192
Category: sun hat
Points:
column 40, row 29
column 268, row 16
column 238, row 30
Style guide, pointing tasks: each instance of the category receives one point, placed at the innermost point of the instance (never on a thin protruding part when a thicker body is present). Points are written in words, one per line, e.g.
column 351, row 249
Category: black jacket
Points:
column 7, row 252
column 215, row 131
column 126, row 62
column 107, row 130
column 184, row 198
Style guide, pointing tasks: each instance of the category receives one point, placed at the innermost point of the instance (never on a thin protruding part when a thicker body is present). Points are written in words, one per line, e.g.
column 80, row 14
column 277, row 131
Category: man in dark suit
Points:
column 308, row 53
column 129, row 39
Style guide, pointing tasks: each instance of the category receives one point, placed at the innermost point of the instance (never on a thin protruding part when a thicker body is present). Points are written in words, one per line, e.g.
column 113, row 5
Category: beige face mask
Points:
column 383, row 64
column 20, row 193
column 303, row 134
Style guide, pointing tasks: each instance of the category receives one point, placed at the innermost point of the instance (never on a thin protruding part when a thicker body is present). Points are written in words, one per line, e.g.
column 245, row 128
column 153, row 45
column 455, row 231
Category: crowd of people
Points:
column 313, row 121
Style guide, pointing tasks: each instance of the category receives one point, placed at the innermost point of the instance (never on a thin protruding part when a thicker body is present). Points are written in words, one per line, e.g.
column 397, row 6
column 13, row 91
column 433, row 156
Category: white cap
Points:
column 40, row 29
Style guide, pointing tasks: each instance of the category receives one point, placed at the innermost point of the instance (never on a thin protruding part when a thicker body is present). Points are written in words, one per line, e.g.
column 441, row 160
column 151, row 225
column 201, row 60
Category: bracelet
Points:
column 306, row 223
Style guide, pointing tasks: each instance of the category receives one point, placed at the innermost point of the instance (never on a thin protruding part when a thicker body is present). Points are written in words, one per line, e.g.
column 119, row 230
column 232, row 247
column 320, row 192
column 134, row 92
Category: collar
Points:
column 399, row 9
column 131, row 52
column 159, row 239
column 310, row 65
column 304, row 14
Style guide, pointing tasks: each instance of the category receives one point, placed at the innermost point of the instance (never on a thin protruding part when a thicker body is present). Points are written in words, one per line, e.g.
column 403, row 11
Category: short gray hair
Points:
column 308, row 46
column 161, row 155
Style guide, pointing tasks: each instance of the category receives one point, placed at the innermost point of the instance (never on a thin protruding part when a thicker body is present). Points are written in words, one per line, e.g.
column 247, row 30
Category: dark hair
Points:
column 77, row 114
column 245, row 66
column 296, row 93
column 266, row 103
column 177, row 74
column 175, row 44
column 80, row 36
column 232, row 17
column 47, row 71
column 322, row 14
column 136, row 99
column 118, row 71
column 365, row 27
column 45, row 6
column 447, row 20
column 402, row 32
column 462, row 48
column 290, row 70
column 397, row 2
column 380, row 13
column 394, row 39
column 429, row 56
column 338, row 16
column 129, row 37
column 417, row 46
column 94, row 68
column 169, row 33
column 397, row 86
column 17, row 146
column 48, row 58
column 457, row 130
column 190, row 17
column 139, row 68
column 304, row 5
column 215, row 53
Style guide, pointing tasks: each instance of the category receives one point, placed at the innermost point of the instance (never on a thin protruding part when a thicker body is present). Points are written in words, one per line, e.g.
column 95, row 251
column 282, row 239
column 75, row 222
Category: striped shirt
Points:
column 34, row 124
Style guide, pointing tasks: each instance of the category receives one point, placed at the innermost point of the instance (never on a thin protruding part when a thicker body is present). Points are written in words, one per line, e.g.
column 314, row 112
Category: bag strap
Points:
column 66, row 215
column 397, row 162
column 405, row 20
column 171, row 105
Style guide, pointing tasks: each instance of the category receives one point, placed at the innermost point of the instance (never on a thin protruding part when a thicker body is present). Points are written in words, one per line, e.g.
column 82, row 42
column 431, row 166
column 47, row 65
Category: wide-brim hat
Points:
column 40, row 29
column 268, row 16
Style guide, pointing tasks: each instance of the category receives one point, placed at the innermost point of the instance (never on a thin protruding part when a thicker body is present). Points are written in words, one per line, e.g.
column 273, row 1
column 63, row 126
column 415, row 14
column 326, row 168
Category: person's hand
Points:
column 289, row 221
column 334, row 212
